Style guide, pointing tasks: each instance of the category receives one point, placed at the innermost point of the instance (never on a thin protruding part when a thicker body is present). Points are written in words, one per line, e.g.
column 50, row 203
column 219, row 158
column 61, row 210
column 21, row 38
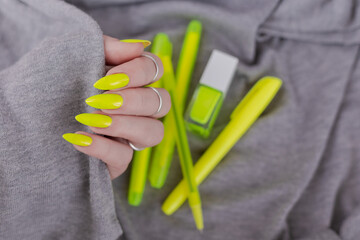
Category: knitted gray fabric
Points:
column 294, row 175
column 51, row 53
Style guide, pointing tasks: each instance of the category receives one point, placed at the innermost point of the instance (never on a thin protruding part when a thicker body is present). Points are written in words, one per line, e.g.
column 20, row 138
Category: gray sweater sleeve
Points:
column 50, row 54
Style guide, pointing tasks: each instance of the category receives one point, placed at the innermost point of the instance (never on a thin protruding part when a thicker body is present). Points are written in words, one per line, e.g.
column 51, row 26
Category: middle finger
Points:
column 132, row 101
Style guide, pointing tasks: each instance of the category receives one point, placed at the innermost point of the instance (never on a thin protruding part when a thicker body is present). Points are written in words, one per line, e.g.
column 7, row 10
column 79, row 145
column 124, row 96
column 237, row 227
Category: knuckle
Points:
column 148, row 139
column 116, row 127
column 151, row 67
column 158, row 133
column 161, row 67
column 152, row 133
column 144, row 102
column 124, row 159
column 132, row 100
column 141, row 70
column 105, row 152
column 167, row 99
column 127, row 157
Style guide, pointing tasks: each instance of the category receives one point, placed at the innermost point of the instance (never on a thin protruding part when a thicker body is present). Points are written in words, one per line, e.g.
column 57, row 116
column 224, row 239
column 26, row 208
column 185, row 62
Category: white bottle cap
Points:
column 219, row 71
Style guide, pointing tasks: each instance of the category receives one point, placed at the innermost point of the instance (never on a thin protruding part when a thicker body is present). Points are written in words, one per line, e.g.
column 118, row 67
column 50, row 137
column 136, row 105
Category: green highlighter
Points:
column 141, row 159
column 163, row 153
column 210, row 93
column 139, row 167
column 181, row 140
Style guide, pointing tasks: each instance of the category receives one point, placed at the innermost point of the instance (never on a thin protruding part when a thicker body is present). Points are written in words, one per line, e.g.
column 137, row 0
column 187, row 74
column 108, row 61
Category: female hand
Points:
column 128, row 110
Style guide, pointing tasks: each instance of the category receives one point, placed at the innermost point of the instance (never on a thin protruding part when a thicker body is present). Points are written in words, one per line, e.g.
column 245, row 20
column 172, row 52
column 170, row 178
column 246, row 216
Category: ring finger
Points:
column 140, row 131
column 115, row 154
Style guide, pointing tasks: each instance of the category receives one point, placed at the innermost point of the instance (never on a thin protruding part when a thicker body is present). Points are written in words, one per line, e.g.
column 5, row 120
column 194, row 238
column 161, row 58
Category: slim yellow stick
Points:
column 141, row 159
column 181, row 140
column 163, row 153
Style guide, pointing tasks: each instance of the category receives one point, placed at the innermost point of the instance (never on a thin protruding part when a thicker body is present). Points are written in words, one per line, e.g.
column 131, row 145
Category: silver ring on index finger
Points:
column 156, row 65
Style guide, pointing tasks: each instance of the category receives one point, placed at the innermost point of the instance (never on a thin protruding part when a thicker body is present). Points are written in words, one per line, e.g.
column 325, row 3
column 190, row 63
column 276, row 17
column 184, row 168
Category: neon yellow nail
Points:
column 94, row 120
column 77, row 139
column 105, row 101
column 113, row 81
column 146, row 43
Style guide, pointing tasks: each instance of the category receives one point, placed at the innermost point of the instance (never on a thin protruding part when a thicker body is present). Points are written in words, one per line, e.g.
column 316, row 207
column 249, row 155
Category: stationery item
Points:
column 141, row 159
column 163, row 153
column 181, row 140
column 244, row 115
column 187, row 61
column 139, row 168
column 210, row 93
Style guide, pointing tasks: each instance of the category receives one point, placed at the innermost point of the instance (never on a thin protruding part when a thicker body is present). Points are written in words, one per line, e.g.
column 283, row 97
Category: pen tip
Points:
column 134, row 198
column 198, row 217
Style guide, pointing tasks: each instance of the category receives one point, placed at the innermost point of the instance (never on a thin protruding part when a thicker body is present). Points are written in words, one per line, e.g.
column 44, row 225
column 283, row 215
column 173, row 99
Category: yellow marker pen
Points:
column 187, row 61
column 182, row 143
column 138, row 175
column 244, row 115
column 141, row 159
column 163, row 153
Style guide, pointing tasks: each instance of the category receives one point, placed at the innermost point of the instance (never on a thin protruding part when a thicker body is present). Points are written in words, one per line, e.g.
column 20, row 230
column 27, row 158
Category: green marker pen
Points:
column 138, row 175
column 141, row 159
column 210, row 93
column 163, row 153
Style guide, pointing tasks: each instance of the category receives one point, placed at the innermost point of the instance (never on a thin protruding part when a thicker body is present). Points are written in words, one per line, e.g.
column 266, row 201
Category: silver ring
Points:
column 160, row 100
column 135, row 148
column 156, row 65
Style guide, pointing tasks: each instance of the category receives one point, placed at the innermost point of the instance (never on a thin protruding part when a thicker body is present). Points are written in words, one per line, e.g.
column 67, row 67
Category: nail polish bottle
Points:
column 210, row 93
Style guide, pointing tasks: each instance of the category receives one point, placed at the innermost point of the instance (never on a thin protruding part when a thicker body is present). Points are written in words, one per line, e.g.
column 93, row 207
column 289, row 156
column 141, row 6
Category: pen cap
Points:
column 208, row 97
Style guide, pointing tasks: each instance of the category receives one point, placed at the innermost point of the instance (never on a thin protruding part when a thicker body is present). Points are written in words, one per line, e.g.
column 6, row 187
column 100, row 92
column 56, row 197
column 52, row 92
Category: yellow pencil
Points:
column 163, row 153
column 141, row 159
column 181, row 139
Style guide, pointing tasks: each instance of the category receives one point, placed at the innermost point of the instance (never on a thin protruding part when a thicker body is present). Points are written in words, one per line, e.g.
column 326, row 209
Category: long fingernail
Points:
column 105, row 101
column 113, row 81
column 77, row 139
column 146, row 43
column 94, row 120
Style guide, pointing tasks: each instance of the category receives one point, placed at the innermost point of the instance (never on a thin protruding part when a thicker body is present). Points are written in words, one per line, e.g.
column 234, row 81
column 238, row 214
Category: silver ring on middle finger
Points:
column 160, row 100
